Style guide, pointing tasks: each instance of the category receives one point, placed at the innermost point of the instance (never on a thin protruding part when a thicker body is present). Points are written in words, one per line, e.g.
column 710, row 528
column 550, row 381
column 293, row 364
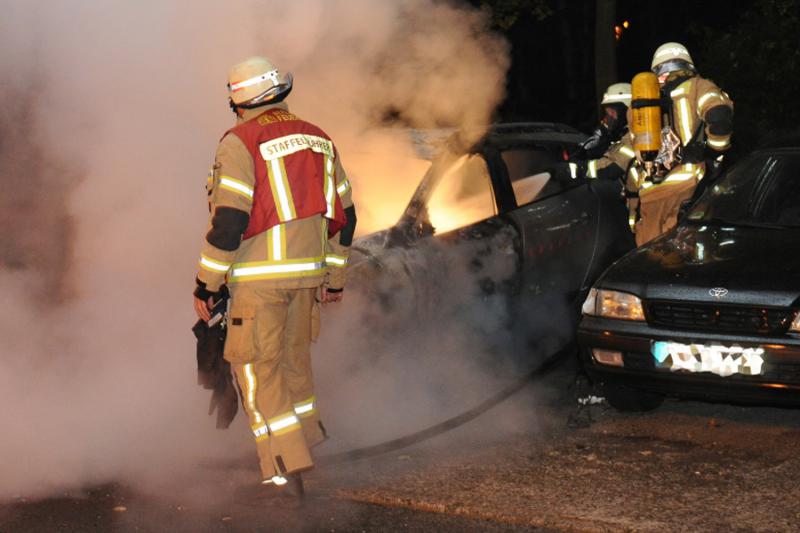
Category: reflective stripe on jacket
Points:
column 691, row 101
column 294, row 171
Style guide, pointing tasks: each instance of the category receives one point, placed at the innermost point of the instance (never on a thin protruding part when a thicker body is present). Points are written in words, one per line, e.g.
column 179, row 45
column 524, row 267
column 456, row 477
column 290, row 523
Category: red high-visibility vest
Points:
column 295, row 166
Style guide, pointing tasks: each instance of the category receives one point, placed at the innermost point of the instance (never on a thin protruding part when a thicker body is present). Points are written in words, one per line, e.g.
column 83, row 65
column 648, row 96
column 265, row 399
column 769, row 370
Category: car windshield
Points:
column 763, row 190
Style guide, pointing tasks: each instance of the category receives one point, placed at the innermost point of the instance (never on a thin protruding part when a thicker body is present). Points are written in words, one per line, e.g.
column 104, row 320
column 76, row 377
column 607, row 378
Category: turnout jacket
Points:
column 277, row 197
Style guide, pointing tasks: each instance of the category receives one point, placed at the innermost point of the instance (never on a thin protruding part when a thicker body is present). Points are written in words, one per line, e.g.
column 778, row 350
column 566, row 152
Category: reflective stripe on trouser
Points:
column 659, row 205
column 306, row 411
column 268, row 345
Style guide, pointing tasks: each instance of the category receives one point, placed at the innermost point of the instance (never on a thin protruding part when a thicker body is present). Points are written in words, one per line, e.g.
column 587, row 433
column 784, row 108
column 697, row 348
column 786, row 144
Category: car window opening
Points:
column 462, row 196
column 761, row 191
column 528, row 171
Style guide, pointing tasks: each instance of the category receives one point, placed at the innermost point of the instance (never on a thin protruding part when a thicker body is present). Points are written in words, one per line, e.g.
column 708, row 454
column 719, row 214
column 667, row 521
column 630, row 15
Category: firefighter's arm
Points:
column 615, row 163
column 602, row 168
column 715, row 108
column 230, row 201
column 594, row 146
column 611, row 166
column 337, row 253
column 622, row 153
column 633, row 183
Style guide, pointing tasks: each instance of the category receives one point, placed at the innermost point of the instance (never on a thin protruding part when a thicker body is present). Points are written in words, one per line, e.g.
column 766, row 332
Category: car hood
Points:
column 756, row 266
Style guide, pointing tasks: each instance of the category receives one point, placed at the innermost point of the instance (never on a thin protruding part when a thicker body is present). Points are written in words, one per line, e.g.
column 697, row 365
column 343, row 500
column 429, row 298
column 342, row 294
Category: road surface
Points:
column 687, row 466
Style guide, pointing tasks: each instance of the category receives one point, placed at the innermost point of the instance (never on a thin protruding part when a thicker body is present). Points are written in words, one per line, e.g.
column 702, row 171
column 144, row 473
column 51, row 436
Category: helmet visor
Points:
column 662, row 70
column 282, row 84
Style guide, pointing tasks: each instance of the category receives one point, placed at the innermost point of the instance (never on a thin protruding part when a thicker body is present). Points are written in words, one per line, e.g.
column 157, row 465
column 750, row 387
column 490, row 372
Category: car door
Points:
column 451, row 250
column 557, row 223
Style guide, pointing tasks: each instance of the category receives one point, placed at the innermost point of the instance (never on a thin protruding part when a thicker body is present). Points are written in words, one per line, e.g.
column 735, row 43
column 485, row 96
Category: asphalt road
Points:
column 689, row 466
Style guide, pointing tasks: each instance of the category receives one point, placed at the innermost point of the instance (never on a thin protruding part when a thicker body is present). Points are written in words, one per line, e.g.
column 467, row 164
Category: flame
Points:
column 385, row 171
column 463, row 195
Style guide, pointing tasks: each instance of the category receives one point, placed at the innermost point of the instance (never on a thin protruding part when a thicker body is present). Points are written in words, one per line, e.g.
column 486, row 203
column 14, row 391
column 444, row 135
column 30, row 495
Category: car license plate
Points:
column 715, row 358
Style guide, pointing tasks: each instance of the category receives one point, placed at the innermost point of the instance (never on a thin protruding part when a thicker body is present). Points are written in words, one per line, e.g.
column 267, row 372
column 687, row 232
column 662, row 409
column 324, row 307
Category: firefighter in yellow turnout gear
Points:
column 608, row 152
column 697, row 129
column 281, row 223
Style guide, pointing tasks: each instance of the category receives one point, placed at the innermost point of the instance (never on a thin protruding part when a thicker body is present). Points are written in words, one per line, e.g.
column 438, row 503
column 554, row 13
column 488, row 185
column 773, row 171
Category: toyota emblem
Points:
column 718, row 292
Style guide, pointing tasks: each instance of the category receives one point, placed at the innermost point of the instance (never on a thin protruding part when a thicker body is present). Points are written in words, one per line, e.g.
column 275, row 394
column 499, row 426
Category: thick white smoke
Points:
column 110, row 115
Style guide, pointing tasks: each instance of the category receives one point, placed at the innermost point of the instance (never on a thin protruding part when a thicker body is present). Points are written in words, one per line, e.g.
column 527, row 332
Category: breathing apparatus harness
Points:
column 667, row 152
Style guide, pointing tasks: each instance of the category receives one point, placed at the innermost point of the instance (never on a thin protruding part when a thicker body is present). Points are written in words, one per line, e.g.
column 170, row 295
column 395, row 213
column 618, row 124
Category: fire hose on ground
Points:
column 214, row 373
column 451, row 423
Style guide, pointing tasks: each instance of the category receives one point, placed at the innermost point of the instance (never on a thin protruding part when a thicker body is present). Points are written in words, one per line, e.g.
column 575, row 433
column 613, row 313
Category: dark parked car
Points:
column 502, row 216
column 709, row 310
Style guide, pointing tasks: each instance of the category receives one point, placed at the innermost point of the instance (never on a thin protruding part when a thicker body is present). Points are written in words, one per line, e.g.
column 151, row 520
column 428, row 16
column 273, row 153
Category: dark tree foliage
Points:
column 552, row 59
column 506, row 13
column 757, row 61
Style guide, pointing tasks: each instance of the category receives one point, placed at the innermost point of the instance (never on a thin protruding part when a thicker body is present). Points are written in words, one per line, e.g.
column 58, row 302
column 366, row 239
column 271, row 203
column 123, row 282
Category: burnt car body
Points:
column 499, row 217
column 711, row 309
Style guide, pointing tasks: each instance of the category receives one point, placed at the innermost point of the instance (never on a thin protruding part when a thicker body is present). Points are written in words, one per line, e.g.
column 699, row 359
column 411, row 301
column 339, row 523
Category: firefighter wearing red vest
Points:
column 698, row 124
column 281, row 223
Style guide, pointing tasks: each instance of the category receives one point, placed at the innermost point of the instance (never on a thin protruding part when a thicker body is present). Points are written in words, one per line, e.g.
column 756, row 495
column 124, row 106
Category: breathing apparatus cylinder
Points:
column 646, row 115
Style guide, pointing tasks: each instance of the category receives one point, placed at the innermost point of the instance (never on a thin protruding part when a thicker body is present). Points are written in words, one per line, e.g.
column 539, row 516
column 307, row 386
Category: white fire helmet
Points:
column 256, row 81
column 670, row 57
column 618, row 92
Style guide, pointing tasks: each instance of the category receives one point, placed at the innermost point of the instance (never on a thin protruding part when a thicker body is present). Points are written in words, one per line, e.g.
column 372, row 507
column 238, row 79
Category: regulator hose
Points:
column 451, row 423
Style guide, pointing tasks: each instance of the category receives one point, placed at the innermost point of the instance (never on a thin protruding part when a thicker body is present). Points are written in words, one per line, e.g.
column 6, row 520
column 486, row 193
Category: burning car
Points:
column 712, row 309
column 498, row 217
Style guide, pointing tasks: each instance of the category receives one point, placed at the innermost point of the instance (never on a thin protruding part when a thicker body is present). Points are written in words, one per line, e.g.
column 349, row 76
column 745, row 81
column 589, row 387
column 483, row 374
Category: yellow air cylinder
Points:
column 646, row 115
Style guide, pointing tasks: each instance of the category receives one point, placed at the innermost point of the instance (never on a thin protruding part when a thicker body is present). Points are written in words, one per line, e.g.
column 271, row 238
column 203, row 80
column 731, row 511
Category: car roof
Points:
column 532, row 127
column 525, row 132
column 516, row 133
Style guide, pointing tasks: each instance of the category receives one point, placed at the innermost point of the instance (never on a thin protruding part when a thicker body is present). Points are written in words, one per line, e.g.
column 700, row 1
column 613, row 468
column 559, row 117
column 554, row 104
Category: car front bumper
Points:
column 778, row 382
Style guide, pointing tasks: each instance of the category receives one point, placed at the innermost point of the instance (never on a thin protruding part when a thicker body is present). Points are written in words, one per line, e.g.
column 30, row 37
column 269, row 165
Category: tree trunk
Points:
column 571, row 78
column 605, row 46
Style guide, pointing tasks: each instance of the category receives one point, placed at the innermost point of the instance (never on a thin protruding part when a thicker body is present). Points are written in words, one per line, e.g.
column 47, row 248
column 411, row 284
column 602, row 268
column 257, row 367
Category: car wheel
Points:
column 631, row 400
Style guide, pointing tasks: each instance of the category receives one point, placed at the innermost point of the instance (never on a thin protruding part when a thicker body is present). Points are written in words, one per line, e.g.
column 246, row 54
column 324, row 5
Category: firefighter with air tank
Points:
column 681, row 125
column 281, row 223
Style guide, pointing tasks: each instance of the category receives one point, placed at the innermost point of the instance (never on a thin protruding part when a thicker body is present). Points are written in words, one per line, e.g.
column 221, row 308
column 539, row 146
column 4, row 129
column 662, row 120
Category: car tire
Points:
column 629, row 400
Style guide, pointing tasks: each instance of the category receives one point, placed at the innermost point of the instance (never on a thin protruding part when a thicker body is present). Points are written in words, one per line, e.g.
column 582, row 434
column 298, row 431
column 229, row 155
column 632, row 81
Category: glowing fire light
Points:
column 463, row 195
column 384, row 171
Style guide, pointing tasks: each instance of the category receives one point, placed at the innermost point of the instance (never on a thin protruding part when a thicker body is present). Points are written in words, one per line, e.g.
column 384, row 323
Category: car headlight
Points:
column 614, row 304
column 795, row 327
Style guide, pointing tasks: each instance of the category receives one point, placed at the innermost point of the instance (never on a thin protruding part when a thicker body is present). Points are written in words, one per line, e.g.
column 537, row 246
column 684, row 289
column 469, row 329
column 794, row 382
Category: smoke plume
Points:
column 111, row 112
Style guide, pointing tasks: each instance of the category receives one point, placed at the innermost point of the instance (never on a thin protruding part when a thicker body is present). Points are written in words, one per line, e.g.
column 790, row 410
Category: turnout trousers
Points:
column 660, row 205
column 269, row 347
